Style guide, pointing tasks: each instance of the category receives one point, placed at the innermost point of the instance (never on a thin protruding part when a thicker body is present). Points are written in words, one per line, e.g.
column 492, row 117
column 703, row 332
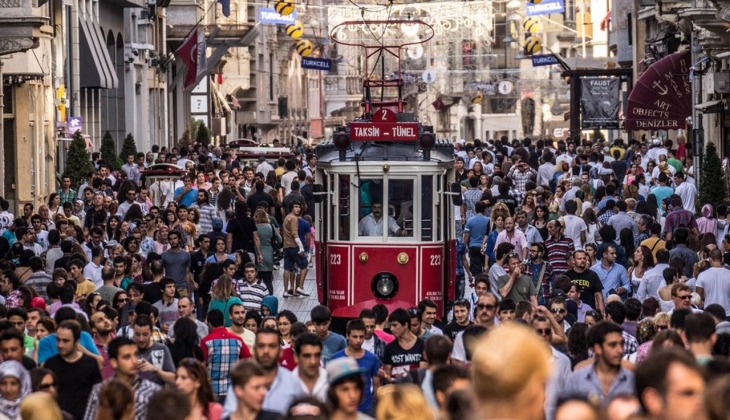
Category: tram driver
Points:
column 372, row 224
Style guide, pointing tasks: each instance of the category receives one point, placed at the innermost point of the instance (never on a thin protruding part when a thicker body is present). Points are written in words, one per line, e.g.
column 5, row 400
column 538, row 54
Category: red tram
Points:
column 385, row 231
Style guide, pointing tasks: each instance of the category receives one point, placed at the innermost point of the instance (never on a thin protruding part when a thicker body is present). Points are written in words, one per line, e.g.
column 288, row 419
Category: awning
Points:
column 711, row 107
column 662, row 96
column 97, row 69
column 220, row 99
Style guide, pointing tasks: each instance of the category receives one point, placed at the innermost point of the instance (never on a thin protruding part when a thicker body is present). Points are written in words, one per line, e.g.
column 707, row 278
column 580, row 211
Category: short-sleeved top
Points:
column 241, row 230
column 477, row 227
column 331, row 345
column 75, row 382
column 590, row 283
column 189, row 198
column 522, row 289
column 291, row 229
column 176, row 265
column 370, row 365
column 159, row 356
column 403, row 361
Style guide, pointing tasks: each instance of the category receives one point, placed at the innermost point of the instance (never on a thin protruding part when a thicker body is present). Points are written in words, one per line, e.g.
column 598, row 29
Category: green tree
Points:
column 712, row 183
column 78, row 160
column 129, row 147
column 185, row 140
column 109, row 151
column 203, row 135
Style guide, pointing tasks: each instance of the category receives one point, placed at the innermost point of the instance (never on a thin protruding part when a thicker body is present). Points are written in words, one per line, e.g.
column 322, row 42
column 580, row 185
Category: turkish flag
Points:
column 188, row 54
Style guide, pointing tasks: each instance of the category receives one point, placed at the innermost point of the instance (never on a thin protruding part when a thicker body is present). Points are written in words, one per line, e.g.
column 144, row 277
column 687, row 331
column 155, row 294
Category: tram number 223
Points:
column 335, row 259
column 436, row 259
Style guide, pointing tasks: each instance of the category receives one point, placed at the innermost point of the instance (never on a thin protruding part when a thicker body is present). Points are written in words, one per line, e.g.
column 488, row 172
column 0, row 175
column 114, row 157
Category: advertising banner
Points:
column 546, row 7
column 599, row 102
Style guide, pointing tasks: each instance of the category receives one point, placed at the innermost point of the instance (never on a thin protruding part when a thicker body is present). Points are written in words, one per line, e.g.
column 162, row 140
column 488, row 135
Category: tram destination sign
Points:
column 384, row 131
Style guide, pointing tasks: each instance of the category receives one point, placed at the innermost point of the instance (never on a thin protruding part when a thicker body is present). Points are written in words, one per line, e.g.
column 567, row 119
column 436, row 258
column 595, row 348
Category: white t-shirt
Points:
column 716, row 283
column 687, row 192
column 286, row 180
column 574, row 225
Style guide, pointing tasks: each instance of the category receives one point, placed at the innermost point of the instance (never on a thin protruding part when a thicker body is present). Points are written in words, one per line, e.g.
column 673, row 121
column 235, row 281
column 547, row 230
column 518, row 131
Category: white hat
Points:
column 656, row 141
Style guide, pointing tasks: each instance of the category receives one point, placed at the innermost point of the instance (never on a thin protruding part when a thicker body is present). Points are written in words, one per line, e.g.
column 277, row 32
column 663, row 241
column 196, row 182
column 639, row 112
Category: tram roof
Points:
column 369, row 151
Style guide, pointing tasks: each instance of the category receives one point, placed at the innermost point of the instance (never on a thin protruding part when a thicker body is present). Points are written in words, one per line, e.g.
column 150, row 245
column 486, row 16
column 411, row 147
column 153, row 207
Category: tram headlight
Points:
column 384, row 285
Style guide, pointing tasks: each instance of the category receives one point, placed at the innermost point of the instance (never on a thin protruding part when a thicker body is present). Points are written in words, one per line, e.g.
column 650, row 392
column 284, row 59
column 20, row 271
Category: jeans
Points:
column 476, row 260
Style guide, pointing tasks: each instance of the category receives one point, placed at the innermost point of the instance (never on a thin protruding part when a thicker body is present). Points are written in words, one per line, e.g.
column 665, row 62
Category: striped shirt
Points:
column 251, row 294
column 143, row 392
column 207, row 213
column 221, row 350
column 557, row 253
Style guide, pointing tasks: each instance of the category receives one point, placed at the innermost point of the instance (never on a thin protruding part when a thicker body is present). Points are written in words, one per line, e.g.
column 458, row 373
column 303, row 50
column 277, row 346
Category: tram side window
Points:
column 427, row 233
column 377, row 215
column 344, row 208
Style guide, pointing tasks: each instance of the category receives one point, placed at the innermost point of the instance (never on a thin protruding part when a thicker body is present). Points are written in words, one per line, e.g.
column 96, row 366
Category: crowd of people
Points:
column 588, row 286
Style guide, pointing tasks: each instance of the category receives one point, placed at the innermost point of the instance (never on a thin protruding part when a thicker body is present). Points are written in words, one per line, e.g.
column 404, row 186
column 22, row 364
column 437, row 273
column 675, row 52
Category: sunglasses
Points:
column 46, row 387
column 486, row 306
column 123, row 300
column 544, row 331
column 662, row 327
column 558, row 310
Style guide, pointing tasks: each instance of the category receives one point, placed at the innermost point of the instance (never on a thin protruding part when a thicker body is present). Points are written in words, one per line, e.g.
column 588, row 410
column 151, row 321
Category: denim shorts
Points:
column 293, row 259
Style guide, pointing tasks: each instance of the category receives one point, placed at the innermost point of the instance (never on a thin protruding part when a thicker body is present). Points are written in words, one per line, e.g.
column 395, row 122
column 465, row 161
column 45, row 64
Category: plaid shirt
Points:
column 143, row 392
column 679, row 217
column 603, row 219
column 546, row 283
column 69, row 196
column 471, row 197
column 521, row 178
column 221, row 350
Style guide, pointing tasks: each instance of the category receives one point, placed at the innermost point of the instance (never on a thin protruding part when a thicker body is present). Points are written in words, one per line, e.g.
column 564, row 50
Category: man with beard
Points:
column 284, row 387
column 605, row 378
column 237, row 315
column 186, row 309
column 460, row 321
column 206, row 210
column 368, row 363
column 484, row 315
column 156, row 363
column 591, row 286
column 309, row 370
column 76, row 372
column 102, row 328
column 125, row 362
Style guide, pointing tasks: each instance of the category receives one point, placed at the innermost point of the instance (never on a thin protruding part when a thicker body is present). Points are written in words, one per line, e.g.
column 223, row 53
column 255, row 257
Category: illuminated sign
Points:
column 388, row 131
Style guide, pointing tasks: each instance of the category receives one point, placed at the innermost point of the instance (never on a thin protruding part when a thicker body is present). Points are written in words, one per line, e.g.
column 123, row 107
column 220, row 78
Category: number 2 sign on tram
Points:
column 384, row 127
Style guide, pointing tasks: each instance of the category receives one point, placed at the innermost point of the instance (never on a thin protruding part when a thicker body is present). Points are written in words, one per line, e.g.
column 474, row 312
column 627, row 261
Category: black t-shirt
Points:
column 242, row 229
column 258, row 197
column 403, row 361
column 508, row 200
column 28, row 363
column 453, row 329
column 152, row 292
column 590, row 283
column 75, row 381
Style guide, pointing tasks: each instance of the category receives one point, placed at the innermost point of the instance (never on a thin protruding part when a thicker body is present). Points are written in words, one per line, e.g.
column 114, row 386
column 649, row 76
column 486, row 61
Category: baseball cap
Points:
column 341, row 368
column 38, row 302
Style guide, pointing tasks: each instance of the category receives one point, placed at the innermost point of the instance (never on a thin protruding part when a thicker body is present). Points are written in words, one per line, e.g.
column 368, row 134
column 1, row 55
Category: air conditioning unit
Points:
column 722, row 82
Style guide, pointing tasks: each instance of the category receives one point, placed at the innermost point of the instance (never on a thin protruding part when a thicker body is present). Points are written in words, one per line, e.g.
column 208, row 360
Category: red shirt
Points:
column 286, row 360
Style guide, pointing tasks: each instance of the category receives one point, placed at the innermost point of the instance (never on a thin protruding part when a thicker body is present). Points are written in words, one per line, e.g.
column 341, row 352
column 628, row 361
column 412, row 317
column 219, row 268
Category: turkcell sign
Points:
column 544, row 60
column 546, row 7
column 398, row 131
column 316, row 63
column 269, row 16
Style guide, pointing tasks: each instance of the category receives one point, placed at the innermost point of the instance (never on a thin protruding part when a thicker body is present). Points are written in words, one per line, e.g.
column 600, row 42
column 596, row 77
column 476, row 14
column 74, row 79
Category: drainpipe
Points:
column 75, row 61
column 698, row 132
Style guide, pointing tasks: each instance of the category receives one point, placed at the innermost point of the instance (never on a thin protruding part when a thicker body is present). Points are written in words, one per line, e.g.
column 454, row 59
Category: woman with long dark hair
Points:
column 113, row 230
column 643, row 261
column 541, row 220
column 577, row 343
column 187, row 341
column 192, row 379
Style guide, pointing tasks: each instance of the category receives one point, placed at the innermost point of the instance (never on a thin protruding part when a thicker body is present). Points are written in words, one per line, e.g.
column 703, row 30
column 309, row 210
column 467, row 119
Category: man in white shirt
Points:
column 309, row 371
column 713, row 284
column 687, row 191
column 546, row 171
column 575, row 227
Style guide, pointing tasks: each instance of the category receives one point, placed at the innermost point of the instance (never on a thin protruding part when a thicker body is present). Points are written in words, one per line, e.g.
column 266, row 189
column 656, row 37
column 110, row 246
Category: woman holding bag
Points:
column 268, row 236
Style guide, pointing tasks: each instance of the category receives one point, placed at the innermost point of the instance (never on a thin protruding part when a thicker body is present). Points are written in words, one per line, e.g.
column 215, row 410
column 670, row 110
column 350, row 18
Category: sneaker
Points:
column 301, row 292
column 286, row 294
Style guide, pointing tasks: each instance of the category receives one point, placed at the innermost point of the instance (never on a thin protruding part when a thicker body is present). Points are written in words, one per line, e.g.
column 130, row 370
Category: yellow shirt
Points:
column 85, row 288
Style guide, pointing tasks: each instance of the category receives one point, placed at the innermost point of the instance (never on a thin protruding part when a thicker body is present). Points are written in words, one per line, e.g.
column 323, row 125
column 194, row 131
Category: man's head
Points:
column 400, row 323
column 101, row 324
column 346, row 385
column 321, row 318
column 250, row 273
column 355, row 333
column 506, row 311
column 609, row 255
column 681, row 296
column 446, row 380
column 18, row 317
column 308, row 354
column 542, row 327
column 237, row 314
column 367, row 316
column 481, row 284
column 559, row 308
column 437, row 350
column 461, row 311
column 607, row 342
column 267, row 348
column 11, row 345
column 428, row 309
column 249, row 384
column 68, row 335
column 185, row 307
column 670, row 385
column 486, row 309
column 123, row 356
column 143, row 329
column 700, row 329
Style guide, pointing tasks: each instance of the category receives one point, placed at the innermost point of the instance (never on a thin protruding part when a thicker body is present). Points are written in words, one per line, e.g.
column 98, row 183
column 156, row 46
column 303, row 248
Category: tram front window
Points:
column 389, row 214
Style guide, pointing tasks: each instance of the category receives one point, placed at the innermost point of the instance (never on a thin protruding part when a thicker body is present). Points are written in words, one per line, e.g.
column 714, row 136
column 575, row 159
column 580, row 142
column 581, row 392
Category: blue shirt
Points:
column 584, row 382
column 661, row 193
column 460, row 252
column 190, row 198
column 331, row 345
column 48, row 347
column 477, row 227
column 613, row 278
column 302, row 230
column 370, row 365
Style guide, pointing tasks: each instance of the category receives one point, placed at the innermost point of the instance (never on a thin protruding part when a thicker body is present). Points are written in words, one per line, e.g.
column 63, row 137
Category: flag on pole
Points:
column 192, row 53
column 225, row 7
